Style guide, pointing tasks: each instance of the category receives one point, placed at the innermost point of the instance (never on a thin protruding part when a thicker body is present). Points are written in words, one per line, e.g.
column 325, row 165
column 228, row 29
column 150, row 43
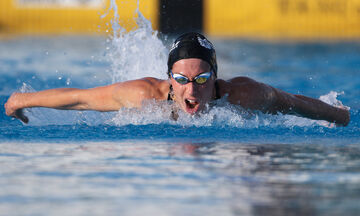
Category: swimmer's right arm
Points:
column 63, row 98
column 105, row 98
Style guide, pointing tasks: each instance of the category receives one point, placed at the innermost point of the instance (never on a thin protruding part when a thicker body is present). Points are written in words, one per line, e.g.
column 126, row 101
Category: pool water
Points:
column 140, row 162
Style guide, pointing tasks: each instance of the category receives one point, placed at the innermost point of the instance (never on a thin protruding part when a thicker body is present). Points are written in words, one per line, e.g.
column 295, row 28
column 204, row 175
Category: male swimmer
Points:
column 192, row 83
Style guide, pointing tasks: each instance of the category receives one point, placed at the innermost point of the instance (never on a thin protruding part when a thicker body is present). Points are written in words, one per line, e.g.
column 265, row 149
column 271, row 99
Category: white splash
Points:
column 138, row 53
column 221, row 114
column 331, row 99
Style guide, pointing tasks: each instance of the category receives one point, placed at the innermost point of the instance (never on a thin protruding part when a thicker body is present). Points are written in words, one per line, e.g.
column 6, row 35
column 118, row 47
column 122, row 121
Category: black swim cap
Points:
column 192, row 45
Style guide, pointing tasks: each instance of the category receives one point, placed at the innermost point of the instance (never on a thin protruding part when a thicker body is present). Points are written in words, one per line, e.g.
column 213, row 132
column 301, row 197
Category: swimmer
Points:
column 192, row 84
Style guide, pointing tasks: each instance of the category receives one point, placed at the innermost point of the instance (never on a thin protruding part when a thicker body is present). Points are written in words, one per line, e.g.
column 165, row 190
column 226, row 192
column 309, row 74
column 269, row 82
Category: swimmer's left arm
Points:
column 251, row 94
column 309, row 108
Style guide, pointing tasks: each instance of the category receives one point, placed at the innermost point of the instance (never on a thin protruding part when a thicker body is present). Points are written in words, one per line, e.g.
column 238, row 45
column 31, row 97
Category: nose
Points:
column 191, row 88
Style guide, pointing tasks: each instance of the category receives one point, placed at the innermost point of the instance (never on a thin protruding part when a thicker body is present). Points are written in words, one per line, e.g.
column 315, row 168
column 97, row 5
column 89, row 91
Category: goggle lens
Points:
column 201, row 79
column 181, row 79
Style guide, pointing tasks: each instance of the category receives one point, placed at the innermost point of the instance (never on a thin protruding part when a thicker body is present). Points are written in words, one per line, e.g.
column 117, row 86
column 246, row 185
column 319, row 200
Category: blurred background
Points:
column 264, row 19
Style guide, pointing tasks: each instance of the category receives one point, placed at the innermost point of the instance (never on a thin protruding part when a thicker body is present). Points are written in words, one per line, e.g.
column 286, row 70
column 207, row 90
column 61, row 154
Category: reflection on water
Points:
column 165, row 178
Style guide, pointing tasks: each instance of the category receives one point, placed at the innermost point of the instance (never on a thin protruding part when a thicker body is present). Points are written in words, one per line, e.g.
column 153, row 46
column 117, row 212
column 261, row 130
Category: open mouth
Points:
column 191, row 105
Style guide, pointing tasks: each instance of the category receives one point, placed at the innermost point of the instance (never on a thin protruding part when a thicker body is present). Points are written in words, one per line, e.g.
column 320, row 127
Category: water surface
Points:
column 133, row 162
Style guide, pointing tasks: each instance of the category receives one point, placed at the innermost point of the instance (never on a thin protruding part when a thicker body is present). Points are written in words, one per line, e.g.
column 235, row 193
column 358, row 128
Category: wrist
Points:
column 19, row 101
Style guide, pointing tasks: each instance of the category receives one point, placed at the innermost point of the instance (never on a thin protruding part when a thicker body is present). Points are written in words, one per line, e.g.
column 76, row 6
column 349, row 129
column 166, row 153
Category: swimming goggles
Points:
column 199, row 79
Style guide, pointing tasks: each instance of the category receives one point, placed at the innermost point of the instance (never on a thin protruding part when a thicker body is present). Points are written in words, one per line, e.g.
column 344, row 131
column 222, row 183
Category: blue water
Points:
column 135, row 162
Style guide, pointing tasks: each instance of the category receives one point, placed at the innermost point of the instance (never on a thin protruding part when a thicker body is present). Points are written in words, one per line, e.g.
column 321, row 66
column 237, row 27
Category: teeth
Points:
column 191, row 101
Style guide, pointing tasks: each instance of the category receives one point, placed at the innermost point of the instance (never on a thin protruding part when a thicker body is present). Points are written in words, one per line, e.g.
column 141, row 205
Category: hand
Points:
column 344, row 116
column 12, row 108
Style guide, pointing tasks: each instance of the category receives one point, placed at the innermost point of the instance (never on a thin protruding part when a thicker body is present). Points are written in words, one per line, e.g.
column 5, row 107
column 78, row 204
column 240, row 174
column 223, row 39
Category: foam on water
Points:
column 221, row 114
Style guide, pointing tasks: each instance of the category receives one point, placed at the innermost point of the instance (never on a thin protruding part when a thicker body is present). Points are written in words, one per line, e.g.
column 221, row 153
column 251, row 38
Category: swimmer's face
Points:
column 192, row 97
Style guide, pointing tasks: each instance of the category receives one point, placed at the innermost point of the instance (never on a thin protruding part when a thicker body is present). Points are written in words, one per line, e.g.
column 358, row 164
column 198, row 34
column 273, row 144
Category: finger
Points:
column 20, row 115
column 7, row 109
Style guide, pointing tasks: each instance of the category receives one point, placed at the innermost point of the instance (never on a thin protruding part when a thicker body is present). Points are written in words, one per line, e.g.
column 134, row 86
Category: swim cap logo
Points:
column 174, row 46
column 205, row 43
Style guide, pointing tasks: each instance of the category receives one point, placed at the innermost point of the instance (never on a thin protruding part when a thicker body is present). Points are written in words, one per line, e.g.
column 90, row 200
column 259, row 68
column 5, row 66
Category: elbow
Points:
column 80, row 105
column 78, row 101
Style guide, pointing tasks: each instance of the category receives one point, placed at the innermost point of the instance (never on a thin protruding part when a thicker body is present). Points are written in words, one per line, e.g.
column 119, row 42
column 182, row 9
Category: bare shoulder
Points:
column 241, row 80
column 244, row 82
column 133, row 92
column 236, row 84
column 157, row 88
column 247, row 92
